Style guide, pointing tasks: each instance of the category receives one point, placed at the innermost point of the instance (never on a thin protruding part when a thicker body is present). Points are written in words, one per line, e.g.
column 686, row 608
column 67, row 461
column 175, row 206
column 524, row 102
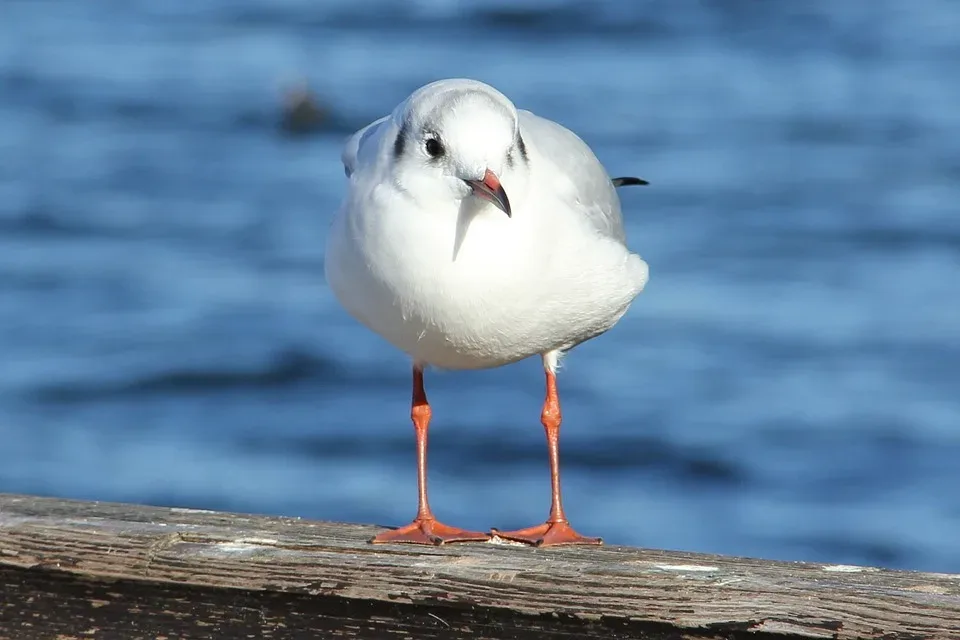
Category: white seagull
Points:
column 429, row 251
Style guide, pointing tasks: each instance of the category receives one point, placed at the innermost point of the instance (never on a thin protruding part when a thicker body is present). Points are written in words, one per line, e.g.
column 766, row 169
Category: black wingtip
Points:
column 629, row 182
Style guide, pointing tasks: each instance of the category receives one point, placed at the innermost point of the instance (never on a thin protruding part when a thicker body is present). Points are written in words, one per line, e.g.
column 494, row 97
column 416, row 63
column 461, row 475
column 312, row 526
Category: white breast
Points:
column 465, row 290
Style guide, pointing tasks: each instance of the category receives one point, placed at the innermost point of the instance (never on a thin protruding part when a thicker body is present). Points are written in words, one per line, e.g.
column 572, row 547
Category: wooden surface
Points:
column 98, row 570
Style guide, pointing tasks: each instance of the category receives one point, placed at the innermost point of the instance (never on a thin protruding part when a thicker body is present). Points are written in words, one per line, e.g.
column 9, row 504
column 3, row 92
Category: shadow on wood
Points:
column 96, row 570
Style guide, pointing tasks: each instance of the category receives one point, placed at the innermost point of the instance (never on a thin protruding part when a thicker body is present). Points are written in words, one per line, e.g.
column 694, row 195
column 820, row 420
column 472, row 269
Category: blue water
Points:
column 786, row 387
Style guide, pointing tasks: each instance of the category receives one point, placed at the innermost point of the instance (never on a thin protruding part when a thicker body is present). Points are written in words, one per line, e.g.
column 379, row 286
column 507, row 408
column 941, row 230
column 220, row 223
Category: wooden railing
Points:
column 73, row 569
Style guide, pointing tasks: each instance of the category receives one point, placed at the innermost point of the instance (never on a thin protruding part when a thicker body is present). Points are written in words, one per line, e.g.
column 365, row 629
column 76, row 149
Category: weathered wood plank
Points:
column 96, row 570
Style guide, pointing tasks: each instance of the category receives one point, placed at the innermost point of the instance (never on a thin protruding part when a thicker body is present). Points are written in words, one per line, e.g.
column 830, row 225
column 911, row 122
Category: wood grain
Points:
column 73, row 569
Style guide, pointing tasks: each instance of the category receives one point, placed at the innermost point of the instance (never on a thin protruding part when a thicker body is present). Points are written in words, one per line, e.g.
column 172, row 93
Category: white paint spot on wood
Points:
column 241, row 545
column 686, row 567
column 495, row 539
column 846, row 568
column 270, row 542
column 235, row 547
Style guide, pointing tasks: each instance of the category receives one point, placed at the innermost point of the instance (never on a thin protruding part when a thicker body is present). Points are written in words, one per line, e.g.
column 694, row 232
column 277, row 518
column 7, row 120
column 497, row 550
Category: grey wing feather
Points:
column 362, row 145
column 592, row 186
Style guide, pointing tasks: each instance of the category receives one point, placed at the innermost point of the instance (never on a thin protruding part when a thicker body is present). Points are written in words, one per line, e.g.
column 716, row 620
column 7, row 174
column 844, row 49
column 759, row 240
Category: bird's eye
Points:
column 434, row 147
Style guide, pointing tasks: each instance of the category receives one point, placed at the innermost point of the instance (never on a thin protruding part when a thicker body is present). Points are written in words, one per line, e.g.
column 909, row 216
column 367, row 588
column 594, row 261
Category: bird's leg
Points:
column 556, row 530
column 424, row 529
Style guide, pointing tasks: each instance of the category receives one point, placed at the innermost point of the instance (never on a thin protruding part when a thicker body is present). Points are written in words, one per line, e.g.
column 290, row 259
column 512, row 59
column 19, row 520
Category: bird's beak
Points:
column 491, row 190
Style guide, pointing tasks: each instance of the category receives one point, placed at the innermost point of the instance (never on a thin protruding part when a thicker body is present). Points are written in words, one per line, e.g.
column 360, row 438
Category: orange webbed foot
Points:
column 428, row 531
column 547, row 534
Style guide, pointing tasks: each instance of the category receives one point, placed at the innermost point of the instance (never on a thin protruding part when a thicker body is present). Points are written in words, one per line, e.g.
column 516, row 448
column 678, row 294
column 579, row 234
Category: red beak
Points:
column 491, row 190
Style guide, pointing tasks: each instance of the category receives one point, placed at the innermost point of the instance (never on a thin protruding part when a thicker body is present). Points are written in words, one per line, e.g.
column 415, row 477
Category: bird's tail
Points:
column 628, row 181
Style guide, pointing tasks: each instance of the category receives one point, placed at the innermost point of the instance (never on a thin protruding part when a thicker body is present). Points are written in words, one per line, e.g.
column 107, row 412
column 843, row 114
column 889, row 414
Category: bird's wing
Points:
column 362, row 146
column 577, row 172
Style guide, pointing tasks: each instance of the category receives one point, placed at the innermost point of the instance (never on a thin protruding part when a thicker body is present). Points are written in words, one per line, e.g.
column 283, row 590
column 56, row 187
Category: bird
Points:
column 472, row 235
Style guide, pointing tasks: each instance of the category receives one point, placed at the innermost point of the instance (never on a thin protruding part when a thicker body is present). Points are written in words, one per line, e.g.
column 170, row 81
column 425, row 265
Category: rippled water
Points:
column 787, row 386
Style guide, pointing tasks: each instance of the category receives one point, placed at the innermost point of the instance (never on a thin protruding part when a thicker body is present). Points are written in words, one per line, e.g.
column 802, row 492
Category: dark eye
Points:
column 434, row 147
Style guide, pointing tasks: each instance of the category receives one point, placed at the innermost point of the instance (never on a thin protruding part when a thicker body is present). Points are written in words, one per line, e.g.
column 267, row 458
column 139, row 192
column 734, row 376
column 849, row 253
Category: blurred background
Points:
column 786, row 387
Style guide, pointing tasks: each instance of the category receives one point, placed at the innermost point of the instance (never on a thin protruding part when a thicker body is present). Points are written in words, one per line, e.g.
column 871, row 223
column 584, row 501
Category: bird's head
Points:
column 458, row 139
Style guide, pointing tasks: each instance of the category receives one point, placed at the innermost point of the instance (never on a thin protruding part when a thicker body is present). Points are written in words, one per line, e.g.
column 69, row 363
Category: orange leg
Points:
column 556, row 530
column 424, row 529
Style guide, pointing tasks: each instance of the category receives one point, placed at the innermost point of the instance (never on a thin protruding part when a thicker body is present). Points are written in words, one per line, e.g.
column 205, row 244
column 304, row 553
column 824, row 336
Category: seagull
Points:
column 473, row 235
